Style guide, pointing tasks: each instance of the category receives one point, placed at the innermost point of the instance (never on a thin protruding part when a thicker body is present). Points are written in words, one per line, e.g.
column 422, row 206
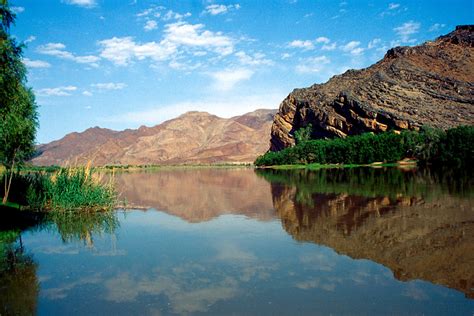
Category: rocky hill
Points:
column 429, row 84
column 194, row 137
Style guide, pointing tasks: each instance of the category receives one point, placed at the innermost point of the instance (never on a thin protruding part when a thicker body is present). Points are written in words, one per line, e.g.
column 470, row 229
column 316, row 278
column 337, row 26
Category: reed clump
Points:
column 71, row 188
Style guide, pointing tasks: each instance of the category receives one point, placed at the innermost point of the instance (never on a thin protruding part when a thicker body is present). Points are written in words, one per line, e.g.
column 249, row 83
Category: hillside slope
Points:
column 194, row 137
column 429, row 84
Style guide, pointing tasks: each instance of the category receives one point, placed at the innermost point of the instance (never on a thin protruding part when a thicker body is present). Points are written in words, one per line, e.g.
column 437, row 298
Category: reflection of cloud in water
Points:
column 185, row 296
column 232, row 252
column 110, row 253
column 61, row 292
column 316, row 283
column 415, row 292
column 63, row 250
column 261, row 272
column 318, row 261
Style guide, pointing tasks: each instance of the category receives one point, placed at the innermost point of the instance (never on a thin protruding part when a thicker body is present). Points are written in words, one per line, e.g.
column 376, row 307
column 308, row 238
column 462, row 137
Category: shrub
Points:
column 453, row 147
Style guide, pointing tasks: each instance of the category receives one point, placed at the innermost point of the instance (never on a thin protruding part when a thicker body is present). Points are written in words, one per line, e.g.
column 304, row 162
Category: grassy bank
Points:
column 64, row 189
column 453, row 147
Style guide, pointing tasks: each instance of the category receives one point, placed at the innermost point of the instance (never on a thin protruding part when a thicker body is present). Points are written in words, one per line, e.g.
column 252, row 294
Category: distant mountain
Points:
column 430, row 84
column 194, row 137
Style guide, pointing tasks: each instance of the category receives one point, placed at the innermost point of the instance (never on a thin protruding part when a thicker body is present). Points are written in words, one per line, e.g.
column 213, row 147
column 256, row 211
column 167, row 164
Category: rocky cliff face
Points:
column 429, row 84
column 194, row 137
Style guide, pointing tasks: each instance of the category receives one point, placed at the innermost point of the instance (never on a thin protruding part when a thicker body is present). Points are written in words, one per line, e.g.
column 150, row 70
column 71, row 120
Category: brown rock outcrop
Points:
column 194, row 137
column 430, row 84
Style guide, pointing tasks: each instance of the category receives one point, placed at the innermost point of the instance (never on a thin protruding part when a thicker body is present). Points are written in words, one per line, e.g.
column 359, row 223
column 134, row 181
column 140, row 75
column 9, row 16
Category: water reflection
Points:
column 206, row 253
column 413, row 222
column 82, row 226
column 198, row 195
column 19, row 286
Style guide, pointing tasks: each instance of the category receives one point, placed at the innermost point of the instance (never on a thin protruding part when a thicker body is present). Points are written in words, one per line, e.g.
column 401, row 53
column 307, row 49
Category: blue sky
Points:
column 123, row 64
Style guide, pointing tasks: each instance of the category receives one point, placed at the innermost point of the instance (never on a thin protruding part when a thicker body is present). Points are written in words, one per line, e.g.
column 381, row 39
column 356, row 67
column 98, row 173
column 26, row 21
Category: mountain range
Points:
column 429, row 84
column 194, row 137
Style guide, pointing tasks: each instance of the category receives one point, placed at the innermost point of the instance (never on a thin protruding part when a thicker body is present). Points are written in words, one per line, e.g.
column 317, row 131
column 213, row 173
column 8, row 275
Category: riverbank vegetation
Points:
column 66, row 189
column 454, row 147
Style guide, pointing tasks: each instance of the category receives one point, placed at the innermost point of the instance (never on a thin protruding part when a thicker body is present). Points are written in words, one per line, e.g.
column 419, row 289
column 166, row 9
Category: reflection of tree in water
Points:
column 82, row 226
column 417, row 223
column 19, row 286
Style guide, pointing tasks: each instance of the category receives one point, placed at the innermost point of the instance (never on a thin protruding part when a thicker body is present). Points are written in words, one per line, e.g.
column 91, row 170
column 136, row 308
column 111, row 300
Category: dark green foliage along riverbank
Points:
column 66, row 189
column 453, row 147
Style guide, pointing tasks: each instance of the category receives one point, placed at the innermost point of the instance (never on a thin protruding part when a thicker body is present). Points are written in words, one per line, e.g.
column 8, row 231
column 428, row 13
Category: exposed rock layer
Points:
column 430, row 84
column 194, row 137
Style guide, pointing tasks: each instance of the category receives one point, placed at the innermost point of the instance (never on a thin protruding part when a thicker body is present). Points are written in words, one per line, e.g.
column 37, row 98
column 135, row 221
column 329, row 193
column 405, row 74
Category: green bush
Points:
column 429, row 146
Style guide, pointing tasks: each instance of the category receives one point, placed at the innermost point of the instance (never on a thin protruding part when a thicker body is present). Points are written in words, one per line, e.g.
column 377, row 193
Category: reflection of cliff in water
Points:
column 416, row 226
column 198, row 195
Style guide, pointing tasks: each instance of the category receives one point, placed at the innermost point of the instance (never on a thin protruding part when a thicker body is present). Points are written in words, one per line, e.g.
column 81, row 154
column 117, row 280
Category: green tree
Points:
column 18, row 110
column 303, row 134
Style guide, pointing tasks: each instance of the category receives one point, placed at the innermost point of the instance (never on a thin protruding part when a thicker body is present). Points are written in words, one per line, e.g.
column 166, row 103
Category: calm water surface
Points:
column 239, row 241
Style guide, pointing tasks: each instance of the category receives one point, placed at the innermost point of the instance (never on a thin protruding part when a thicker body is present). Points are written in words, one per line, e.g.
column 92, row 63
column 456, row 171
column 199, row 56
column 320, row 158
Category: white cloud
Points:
column 179, row 38
column 331, row 46
column 406, row 30
column 285, row 56
column 309, row 45
column 17, row 10
column 82, row 3
column 306, row 45
column 146, row 12
column 109, row 86
column 225, row 80
column 150, row 25
column 59, row 50
column 122, row 50
column 256, row 59
column 393, row 6
column 30, row 39
column 357, row 51
column 36, row 63
column 195, row 35
column 313, row 64
column 352, row 48
column 87, row 93
column 215, row 9
column 374, row 43
column 170, row 15
column 58, row 92
column 227, row 106
column 436, row 27
column 323, row 39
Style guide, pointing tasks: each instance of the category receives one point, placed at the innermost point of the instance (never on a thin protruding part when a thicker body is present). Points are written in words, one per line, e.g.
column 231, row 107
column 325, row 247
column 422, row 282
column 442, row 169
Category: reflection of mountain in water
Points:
column 198, row 195
column 411, row 224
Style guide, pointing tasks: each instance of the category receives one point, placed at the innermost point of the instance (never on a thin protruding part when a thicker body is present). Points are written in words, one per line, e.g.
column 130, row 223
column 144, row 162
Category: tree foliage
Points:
column 304, row 134
column 454, row 147
column 18, row 110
